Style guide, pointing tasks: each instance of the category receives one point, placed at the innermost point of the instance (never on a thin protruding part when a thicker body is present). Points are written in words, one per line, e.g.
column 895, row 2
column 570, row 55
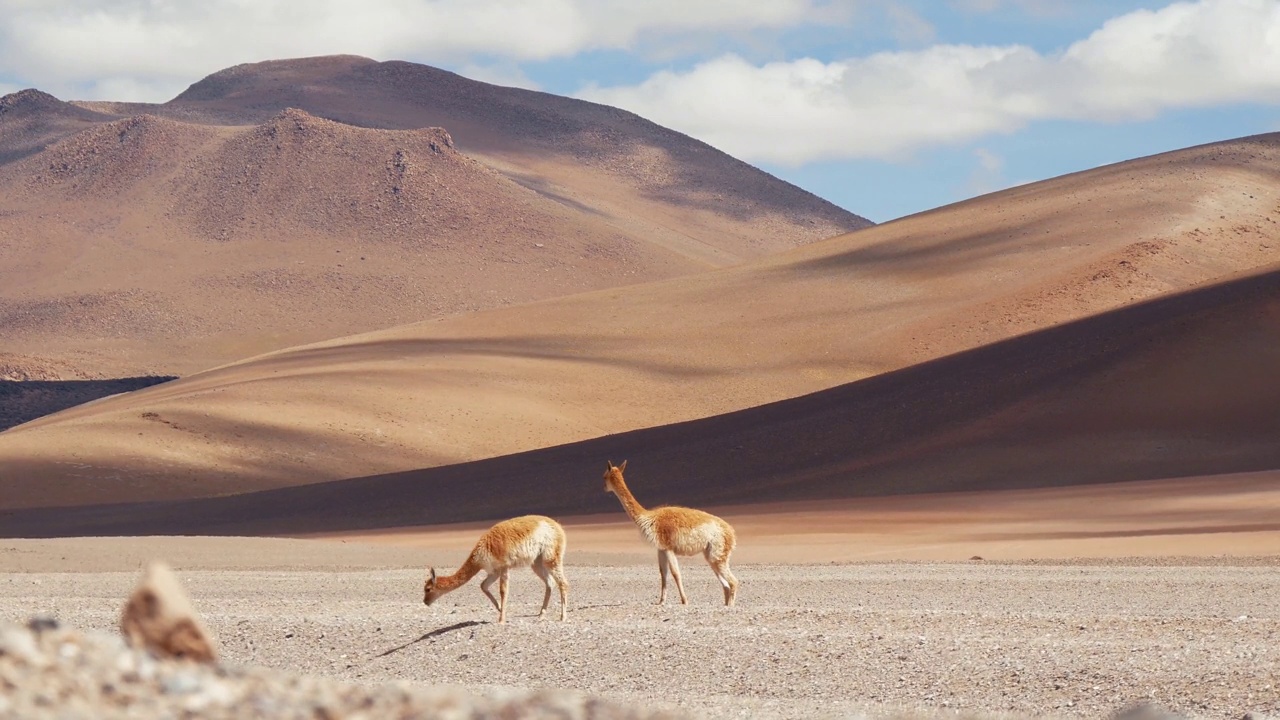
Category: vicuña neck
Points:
column 629, row 503
column 449, row 583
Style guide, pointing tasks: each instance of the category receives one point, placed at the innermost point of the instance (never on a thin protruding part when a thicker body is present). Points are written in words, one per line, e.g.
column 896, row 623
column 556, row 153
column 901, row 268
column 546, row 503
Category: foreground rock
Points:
column 48, row 671
column 158, row 616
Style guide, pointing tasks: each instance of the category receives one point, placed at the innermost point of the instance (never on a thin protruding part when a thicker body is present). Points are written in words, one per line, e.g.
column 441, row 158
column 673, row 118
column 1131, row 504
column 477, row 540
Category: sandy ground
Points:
column 1235, row 515
column 1051, row 638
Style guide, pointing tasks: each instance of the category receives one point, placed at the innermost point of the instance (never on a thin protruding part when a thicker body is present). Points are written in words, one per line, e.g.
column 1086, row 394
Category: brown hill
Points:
column 106, row 161
column 169, row 238
column 540, row 138
column 31, row 119
column 1179, row 386
column 517, row 379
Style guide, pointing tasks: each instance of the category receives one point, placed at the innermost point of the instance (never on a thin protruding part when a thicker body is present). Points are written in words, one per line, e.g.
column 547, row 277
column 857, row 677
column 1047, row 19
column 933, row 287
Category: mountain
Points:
column 594, row 151
column 292, row 201
column 881, row 300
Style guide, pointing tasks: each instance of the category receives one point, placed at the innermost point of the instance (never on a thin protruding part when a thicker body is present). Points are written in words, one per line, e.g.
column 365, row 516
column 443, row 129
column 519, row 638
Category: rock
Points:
column 1146, row 711
column 159, row 617
column 42, row 623
column 20, row 645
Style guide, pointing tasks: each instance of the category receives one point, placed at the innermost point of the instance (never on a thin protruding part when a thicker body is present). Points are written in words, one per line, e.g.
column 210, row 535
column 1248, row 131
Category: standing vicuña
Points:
column 679, row 531
column 529, row 540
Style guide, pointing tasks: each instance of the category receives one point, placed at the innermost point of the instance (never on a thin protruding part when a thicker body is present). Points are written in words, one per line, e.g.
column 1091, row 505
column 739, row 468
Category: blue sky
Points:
column 885, row 107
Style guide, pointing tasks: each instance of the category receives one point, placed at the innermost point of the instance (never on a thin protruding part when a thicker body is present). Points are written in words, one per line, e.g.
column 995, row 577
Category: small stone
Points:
column 180, row 683
column 1145, row 711
column 22, row 645
column 42, row 623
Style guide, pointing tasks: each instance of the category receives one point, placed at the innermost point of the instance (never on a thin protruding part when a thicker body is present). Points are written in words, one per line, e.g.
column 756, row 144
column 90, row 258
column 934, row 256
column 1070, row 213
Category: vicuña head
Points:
column 678, row 531
column 527, row 541
column 613, row 477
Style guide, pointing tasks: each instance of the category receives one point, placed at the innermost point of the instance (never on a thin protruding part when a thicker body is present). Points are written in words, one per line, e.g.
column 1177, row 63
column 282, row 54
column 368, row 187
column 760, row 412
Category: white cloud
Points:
column 109, row 46
column 890, row 104
column 1040, row 8
column 131, row 88
column 907, row 26
column 988, row 161
column 987, row 175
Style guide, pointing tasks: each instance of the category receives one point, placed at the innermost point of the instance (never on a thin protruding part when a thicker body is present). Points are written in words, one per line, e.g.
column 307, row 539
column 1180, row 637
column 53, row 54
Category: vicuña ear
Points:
column 433, row 574
column 609, row 465
column 623, row 466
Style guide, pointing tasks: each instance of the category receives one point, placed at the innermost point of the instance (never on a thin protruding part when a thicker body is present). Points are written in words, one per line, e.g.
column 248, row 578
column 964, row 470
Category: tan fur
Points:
column 159, row 617
column 532, row 541
column 679, row 531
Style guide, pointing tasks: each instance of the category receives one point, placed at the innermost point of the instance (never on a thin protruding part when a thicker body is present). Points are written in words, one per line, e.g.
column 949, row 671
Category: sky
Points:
column 884, row 107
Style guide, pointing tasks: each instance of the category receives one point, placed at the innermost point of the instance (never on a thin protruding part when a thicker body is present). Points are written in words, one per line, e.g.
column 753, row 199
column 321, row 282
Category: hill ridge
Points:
column 477, row 113
column 32, row 100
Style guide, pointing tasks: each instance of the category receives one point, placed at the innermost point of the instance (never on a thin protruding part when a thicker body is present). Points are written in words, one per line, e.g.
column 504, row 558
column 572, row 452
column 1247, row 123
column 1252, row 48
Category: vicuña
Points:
column 527, row 541
column 678, row 531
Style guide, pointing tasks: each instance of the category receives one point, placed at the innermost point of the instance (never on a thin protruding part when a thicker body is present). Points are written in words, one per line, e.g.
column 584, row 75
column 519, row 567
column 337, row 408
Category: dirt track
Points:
column 806, row 640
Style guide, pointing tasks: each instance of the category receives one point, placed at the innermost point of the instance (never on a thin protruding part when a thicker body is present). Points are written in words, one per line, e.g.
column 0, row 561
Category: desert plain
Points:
column 308, row 328
column 1053, row 637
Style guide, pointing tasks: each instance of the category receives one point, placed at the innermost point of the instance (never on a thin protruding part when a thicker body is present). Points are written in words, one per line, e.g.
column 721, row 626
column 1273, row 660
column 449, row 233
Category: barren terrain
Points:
column 1015, row 455
column 1030, row 639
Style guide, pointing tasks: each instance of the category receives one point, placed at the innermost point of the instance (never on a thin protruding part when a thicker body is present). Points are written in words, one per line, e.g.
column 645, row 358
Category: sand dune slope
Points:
column 1178, row 386
column 555, row 372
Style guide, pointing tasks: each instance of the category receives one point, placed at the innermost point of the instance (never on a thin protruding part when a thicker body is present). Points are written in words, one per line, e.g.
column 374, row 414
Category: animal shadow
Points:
column 596, row 607
column 434, row 633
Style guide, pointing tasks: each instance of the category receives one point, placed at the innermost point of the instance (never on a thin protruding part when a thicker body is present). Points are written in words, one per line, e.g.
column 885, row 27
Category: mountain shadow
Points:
column 22, row 401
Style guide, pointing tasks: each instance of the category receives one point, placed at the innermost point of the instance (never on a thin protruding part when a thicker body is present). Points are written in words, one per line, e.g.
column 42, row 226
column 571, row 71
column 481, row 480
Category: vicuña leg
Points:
column 557, row 573
column 662, row 570
column 675, row 575
column 502, row 595
column 727, row 580
column 485, row 585
column 720, row 566
column 540, row 569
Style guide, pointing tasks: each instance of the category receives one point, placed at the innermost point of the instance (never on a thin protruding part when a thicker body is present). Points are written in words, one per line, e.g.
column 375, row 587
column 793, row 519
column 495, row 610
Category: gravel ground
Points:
column 47, row 671
column 804, row 640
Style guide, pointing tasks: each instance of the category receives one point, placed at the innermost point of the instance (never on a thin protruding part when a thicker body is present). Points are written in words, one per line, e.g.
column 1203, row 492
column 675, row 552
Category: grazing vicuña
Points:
column 527, row 541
